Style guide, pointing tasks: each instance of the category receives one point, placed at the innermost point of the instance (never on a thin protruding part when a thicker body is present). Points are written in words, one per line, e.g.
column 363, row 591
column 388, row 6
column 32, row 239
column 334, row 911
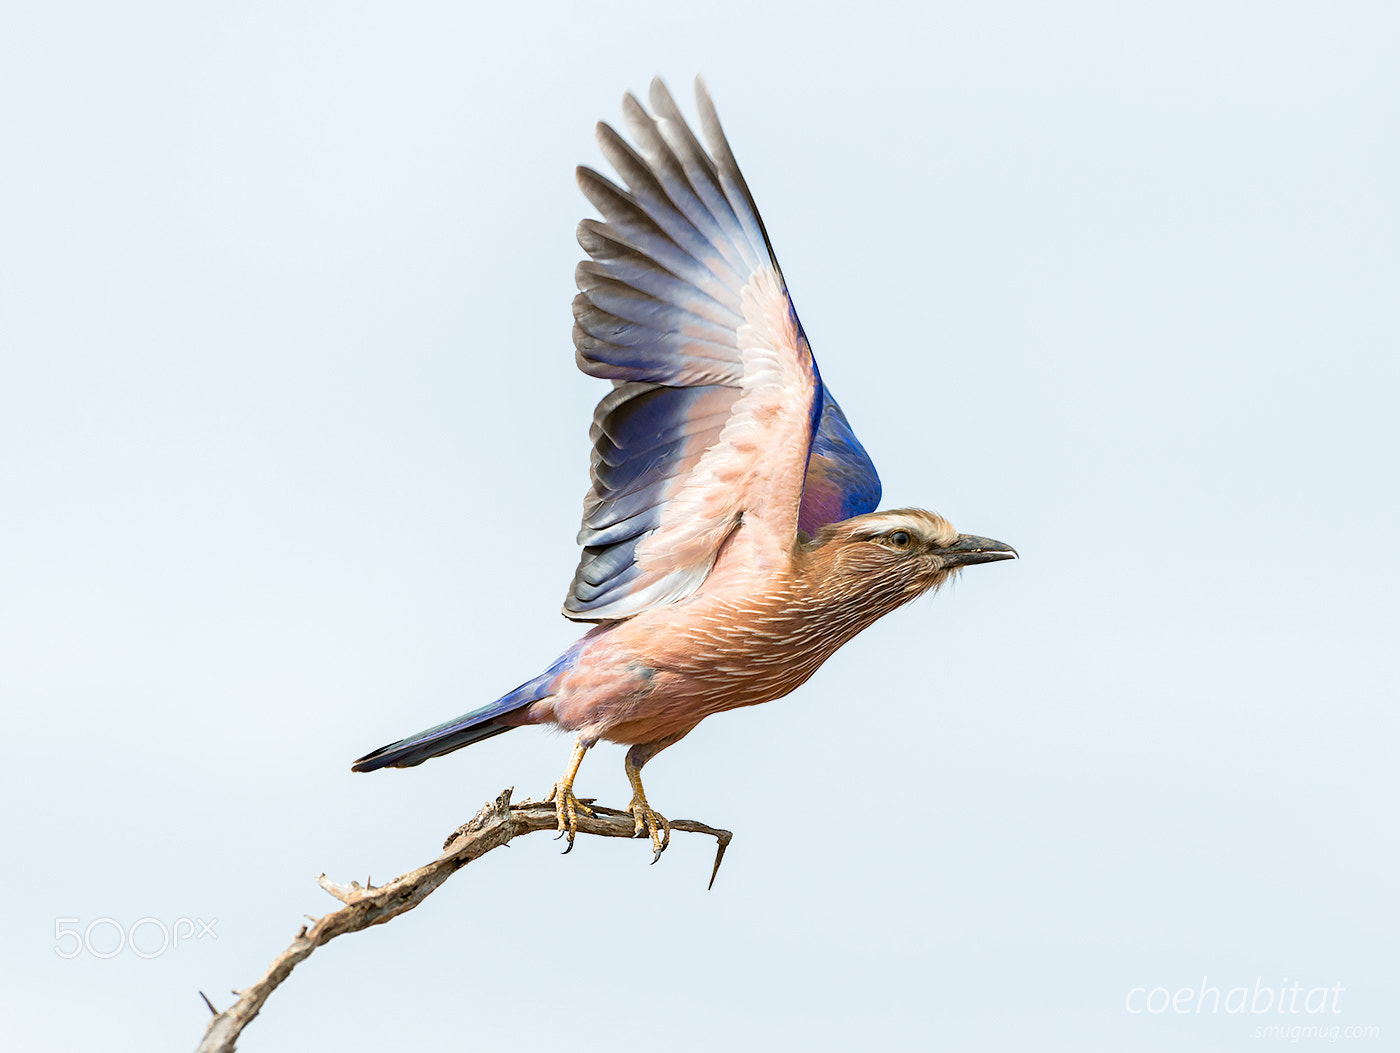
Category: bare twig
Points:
column 495, row 825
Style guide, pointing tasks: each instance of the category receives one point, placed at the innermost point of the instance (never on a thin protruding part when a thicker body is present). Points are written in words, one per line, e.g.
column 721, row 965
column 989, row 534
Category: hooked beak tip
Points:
column 969, row 549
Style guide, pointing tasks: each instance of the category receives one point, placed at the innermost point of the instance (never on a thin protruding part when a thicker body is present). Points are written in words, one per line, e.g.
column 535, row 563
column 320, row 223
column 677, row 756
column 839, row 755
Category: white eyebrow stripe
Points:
column 889, row 522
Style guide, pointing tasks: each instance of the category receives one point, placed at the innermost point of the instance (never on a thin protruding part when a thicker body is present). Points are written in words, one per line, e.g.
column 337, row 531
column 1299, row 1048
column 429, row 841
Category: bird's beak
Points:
column 968, row 549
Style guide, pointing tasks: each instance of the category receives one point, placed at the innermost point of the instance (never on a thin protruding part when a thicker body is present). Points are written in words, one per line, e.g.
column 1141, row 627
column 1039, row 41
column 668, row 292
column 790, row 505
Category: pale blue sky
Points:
column 292, row 450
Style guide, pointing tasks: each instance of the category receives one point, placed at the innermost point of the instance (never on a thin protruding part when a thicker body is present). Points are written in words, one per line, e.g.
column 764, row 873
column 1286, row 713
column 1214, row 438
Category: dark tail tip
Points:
column 407, row 753
column 375, row 760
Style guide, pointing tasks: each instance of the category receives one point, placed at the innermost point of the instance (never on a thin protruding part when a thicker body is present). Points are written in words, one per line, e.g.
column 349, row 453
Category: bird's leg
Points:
column 655, row 823
column 566, row 805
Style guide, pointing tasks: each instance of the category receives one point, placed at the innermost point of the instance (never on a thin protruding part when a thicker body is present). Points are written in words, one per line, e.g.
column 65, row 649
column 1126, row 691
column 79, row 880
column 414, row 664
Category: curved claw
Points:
column 654, row 822
column 566, row 805
column 567, row 808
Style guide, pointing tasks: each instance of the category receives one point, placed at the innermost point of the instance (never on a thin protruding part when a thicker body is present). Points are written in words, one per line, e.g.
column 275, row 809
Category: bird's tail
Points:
column 479, row 724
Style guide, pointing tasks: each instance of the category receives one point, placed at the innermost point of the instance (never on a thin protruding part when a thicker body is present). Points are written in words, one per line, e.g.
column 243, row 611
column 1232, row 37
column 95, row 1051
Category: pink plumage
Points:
column 730, row 538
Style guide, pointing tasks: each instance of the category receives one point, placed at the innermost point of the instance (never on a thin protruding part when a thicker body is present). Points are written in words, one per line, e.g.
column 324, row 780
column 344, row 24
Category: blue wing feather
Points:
column 841, row 479
column 659, row 312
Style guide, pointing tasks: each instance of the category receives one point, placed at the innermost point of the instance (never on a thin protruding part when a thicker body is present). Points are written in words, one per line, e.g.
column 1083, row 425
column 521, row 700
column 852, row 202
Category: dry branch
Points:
column 496, row 824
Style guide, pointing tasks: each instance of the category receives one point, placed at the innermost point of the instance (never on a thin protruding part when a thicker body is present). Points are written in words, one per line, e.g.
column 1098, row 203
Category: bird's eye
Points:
column 901, row 539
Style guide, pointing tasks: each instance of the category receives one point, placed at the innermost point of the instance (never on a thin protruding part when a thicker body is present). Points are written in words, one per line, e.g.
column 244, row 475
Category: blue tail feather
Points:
column 476, row 726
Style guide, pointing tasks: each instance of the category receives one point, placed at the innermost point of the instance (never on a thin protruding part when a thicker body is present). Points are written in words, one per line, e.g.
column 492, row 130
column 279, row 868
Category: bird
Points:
column 731, row 541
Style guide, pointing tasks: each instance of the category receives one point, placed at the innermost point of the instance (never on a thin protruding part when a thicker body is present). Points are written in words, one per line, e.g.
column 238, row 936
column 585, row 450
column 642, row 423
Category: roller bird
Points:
column 730, row 537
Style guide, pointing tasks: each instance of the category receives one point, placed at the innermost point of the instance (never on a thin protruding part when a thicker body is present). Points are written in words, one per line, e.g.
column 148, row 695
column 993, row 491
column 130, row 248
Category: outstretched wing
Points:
column 718, row 419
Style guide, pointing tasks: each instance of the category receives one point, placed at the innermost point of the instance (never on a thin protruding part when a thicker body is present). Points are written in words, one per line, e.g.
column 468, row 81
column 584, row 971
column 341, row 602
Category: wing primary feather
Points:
column 671, row 173
column 651, row 196
column 647, row 277
column 655, row 365
column 609, row 347
column 596, row 239
column 631, row 222
column 633, row 305
column 701, row 173
column 732, row 180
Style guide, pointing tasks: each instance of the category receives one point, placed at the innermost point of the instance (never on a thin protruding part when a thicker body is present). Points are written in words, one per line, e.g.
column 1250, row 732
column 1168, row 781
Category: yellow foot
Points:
column 653, row 821
column 568, row 808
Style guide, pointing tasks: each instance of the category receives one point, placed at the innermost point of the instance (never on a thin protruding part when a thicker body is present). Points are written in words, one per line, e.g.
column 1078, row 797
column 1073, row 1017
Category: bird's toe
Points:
column 567, row 808
column 654, row 823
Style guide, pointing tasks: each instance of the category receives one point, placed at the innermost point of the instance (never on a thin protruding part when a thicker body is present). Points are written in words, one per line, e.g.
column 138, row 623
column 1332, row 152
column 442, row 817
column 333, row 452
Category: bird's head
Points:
column 896, row 555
